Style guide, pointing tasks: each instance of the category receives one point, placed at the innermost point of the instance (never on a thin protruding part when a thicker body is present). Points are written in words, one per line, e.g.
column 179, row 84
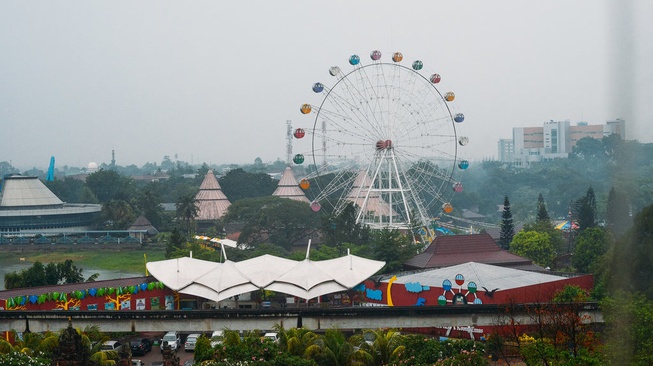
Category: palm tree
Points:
column 187, row 210
column 331, row 349
column 296, row 341
column 105, row 358
column 6, row 347
column 378, row 347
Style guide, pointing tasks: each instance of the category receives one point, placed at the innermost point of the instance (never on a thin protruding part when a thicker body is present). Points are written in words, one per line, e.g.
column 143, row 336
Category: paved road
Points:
column 155, row 355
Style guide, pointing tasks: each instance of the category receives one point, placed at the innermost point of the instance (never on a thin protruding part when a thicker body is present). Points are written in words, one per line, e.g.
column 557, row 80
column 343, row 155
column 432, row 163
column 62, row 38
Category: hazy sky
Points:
column 216, row 81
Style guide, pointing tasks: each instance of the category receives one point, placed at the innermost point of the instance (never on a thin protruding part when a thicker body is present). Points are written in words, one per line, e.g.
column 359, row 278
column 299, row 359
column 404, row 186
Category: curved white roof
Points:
column 178, row 273
column 306, row 279
column 484, row 275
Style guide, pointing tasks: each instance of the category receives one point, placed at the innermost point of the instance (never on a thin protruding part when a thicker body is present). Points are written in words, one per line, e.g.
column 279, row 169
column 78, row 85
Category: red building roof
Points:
column 451, row 250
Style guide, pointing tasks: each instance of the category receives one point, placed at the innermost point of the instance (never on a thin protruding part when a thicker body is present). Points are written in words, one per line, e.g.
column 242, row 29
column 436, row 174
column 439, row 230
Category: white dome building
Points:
column 92, row 167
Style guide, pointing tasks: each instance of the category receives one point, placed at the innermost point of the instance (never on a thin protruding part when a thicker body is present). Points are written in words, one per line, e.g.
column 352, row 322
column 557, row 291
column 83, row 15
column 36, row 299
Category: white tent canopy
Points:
column 306, row 279
column 264, row 270
column 350, row 270
column 226, row 280
column 178, row 273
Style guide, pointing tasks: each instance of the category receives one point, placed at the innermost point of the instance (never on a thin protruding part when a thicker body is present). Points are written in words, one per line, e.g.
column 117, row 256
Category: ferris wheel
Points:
column 384, row 138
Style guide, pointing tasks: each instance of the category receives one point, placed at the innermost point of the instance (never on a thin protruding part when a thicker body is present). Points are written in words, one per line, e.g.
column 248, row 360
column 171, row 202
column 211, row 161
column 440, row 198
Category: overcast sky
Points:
column 216, row 81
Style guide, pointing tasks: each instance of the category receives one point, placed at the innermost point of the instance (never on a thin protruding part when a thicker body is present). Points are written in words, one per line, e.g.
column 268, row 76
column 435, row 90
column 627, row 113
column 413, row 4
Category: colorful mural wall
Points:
column 147, row 295
column 459, row 291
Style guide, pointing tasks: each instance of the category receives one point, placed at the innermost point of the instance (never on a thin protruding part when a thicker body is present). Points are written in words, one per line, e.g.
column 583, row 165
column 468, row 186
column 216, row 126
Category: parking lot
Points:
column 155, row 355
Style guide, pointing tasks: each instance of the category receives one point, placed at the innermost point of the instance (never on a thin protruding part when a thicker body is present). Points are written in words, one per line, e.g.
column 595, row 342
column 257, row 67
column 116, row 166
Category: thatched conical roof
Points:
column 142, row 223
column 289, row 188
column 375, row 203
column 211, row 202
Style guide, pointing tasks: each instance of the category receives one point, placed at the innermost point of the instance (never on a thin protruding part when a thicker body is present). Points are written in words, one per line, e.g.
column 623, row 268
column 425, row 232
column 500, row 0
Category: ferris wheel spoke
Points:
column 353, row 99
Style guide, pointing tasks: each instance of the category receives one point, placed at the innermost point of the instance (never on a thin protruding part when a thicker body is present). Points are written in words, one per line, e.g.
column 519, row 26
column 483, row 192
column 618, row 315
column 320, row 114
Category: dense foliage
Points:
column 45, row 275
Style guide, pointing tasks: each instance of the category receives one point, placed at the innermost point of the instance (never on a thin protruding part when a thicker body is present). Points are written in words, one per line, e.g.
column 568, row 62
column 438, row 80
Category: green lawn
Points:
column 131, row 261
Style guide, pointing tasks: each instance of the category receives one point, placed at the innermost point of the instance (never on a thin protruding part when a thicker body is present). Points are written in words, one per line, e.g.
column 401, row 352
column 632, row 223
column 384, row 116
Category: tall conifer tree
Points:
column 507, row 226
column 542, row 213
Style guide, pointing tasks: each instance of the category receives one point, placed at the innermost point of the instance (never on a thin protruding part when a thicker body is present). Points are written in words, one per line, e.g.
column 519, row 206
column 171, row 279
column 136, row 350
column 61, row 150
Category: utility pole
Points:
column 569, row 233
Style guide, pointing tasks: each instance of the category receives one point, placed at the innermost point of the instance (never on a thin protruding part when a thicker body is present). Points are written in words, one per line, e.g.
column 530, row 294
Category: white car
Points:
column 111, row 346
column 274, row 337
column 190, row 342
column 171, row 339
column 216, row 337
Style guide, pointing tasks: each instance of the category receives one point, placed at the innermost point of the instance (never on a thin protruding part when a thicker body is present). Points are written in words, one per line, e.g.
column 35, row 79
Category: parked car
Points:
column 191, row 340
column 136, row 362
column 273, row 336
column 171, row 339
column 140, row 346
column 111, row 346
column 216, row 337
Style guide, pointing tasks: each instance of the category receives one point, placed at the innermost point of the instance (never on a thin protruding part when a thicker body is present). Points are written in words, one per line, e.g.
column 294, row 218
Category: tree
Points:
column 385, row 349
column 296, row 341
column 203, row 349
column 570, row 293
column 108, row 185
column 118, row 214
column 70, row 190
column 393, row 247
column 628, row 328
column 617, row 215
column 238, row 184
column 343, row 228
column 69, row 273
column 272, row 219
column 556, row 236
column 535, row 246
column 149, row 203
column 187, row 211
column 586, row 208
column 7, row 168
column 332, row 349
column 542, row 214
column 507, row 227
column 588, row 148
column 591, row 244
column 175, row 242
column 631, row 266
column 40, row 275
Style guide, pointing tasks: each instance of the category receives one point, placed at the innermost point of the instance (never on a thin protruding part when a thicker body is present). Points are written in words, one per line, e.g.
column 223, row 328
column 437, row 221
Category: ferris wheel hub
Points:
column 383, row 144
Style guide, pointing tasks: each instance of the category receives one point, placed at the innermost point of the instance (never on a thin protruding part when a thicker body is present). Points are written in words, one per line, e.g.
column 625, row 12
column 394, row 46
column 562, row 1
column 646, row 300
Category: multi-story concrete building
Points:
column 555, row 139
column 506, row 149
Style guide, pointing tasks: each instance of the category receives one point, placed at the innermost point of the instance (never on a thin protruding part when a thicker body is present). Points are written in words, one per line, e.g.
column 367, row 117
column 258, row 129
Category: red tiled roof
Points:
column 449, row 250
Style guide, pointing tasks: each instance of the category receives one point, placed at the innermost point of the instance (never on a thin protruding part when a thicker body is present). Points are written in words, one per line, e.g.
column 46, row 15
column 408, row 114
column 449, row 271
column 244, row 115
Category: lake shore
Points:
column 110, row 262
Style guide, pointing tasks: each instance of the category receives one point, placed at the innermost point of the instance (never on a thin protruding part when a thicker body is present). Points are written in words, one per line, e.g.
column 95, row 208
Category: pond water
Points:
column 104, row 274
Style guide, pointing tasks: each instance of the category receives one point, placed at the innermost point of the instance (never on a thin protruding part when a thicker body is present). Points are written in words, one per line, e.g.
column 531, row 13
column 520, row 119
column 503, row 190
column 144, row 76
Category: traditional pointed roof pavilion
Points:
column 289, row 188
column 212, row 204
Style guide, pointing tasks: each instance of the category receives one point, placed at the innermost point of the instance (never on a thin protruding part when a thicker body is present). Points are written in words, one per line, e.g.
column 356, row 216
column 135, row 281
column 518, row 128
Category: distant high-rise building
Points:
column 555, row 139
column 506, row 149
